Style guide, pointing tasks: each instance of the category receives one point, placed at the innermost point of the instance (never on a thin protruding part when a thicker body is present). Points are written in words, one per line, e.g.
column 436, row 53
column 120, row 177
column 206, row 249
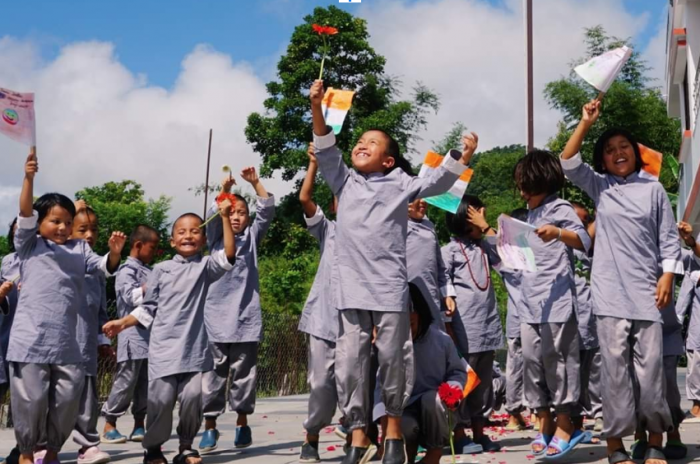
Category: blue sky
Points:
column 151, row 37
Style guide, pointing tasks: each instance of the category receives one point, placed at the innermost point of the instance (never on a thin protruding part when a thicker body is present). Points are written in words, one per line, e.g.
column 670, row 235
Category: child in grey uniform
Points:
column 178, row 353
column 47, row 373
column 234, row 317
column 319, row 320
column 91, row 317
column 468, row 258
column 369, row 272
column 131, row 381
column 548, row 302
column 424, row 421
column 635, row 229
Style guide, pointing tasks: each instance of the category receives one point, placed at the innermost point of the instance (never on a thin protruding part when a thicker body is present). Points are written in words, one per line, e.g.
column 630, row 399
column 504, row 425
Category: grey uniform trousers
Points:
column 85, row 432
column 163, row 393
column 45, row 401
column 474, row 406
column 551, row 358
column 632, row 349
column 352, row 367
column 692, row 379
column 323, row 397
column 241, row 361
column 673, row 395
column 425, row 421
column 589, row 396
column 514, row 376
column 130, row 387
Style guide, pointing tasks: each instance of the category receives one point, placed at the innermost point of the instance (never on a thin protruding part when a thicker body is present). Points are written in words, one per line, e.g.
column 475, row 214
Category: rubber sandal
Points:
column 619, row 456
column 654, row 453
column 564, row 447
column 182, row 457
column 639, row 449
column 540, row 439
column 675, row 449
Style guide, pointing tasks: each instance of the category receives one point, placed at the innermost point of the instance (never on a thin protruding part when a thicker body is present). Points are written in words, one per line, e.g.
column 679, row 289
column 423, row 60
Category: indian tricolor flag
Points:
column 449, row 201
column 336, row 104
column 652, row 162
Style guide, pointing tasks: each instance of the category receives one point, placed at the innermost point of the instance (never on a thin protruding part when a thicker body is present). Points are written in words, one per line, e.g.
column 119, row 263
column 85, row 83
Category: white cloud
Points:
column 97, row 121
column 473, row 54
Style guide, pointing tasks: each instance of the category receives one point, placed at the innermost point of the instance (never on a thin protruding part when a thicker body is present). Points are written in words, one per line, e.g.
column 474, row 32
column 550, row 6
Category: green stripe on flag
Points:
column 446, row 201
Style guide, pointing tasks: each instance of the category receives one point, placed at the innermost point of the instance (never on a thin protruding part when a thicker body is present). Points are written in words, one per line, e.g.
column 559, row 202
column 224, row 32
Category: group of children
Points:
column 391, row 315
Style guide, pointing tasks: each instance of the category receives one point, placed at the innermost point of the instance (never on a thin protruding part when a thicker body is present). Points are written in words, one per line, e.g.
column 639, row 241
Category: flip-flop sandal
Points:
column 540, row 439
column 619, row 456
column 591, row 440
column 182, row 457
column 654, row 453
column 639, row 449
column 564, row 447
column 675, row 449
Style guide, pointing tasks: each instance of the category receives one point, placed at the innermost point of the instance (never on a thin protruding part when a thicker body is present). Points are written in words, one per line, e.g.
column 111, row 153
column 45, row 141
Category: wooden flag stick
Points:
column 600, row 96
column 206, row 182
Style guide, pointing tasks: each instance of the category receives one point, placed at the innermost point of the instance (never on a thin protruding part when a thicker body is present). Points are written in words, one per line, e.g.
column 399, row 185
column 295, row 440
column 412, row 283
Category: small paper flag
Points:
column 473, row 381
column 449, row 201
column 602, row 70
column 336, row 104
column 17, row 116
column 652, row 162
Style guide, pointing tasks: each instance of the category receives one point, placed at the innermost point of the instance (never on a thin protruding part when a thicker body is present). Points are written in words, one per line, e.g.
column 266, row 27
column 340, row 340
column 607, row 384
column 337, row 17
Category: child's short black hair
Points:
column 87, row 210
column 457, row 223
column 47, row 201
column 599, row 149
column 392, row 146
column 183, row 216
column 520, row 214
column 143, row 233
column 11, row 235
column 581, row 206
column 539, row 172
column 420, row 306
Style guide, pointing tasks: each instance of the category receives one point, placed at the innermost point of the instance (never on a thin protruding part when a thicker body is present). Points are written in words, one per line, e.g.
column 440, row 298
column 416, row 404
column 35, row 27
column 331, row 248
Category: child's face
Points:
column 416, row 209
column 239, row 217
column 57, row 226
column 533, row 201
column 188, row 237
column 147, row 250
column 618, row 156
column 85, row 228
column 369, row 154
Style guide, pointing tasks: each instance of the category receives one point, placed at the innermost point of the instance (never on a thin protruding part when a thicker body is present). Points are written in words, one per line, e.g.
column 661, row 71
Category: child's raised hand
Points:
column 225, row 208
column 470, row 143
column 250, row 175
column 227, row 183
column 31, row 167
column 5, row 289
column 316, row 92
column 591, row 112
column 80, row 205
column 685, row 230
column 312, row 154
column 548, row 233
column 116, row 242
column 476, row 217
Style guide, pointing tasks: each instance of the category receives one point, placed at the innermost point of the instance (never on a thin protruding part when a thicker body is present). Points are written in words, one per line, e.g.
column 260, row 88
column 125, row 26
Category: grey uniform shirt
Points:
column 173, row 308
column 512, row 281
column 436, row 361
column 319, row 317
column 635, row 228
column 9, row 271
column 426, row 268
column 53, row 292
column 91, row 317
column 689, row 300
column 369, row 271
column 233, row 313
column 133, row 342
column 587, row 332
column 549, row 294
column 468, row 266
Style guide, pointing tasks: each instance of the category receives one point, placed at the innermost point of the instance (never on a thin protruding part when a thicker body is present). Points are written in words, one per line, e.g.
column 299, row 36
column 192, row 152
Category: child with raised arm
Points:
column 319, row 320
column 130, row 385
column 46, row 365
column 635, row 230
column 178, row 353
column 234, row 317
column 369, row 272
column 548, row 325
column 91, row 317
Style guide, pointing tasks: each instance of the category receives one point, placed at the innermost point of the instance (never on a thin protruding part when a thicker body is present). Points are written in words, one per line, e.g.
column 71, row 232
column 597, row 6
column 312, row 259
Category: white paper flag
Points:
column 602, row 70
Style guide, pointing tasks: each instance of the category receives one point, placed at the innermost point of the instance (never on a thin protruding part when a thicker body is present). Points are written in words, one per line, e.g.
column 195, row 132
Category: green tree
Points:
column 4, row 247
column 122, row 206
column 631, row 103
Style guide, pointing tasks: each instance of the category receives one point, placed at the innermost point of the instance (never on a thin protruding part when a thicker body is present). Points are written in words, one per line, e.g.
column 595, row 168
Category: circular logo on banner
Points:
column 10, row 116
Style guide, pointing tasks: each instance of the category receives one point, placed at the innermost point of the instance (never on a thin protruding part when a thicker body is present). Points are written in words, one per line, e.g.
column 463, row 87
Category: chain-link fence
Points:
column 282, row 360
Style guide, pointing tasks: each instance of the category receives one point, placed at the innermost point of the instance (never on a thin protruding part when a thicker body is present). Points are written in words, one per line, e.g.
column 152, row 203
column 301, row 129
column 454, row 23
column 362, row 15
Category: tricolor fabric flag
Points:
column 473, row 381
column 652, row 160
column 336, row 104
column 449, row 201
column 602, row 70
column 17, row 116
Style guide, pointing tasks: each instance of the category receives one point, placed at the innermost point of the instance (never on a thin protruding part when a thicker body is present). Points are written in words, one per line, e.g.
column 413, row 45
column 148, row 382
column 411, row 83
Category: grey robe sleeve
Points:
column 330, row 162
column 214, row 229
column 146, row 312
column 583, row 176
column 264, row 213
column 26, row 235
column 669, row 240
column 444, row 278
column 449, row 264
column 128, row 286
column 317, row 225
column 217, row 265
column 566, row 218
column 438, row 180
column 95, row 263
column 103, row 318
